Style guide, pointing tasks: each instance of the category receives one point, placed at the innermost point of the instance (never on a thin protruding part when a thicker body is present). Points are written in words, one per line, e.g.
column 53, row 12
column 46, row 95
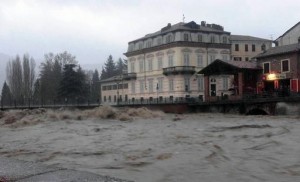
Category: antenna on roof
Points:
column 183, row 18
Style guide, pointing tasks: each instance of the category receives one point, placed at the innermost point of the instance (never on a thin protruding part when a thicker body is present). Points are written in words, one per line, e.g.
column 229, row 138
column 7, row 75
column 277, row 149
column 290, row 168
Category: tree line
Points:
column 61, row 80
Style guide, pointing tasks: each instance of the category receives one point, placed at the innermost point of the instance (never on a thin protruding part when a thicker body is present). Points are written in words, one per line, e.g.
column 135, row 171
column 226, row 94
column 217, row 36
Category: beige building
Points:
column 114, row 88
column 291, row 36
column 244, row 48
column 166, row 62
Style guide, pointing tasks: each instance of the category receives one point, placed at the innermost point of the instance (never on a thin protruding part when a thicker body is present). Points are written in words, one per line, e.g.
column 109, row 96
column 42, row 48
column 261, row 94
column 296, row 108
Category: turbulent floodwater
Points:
column 162, row 147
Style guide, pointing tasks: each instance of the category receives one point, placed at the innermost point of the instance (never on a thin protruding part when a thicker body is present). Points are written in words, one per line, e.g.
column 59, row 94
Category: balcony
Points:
column 179, row 70
column 129, row 76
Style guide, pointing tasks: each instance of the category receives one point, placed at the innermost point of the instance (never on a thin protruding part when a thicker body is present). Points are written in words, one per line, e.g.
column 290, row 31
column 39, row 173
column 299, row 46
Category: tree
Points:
column 120, row 67
column 15, row 79
column 73, row 84
column 51, row 74
column 6, row 97
column 28, row 76
column 95, row 86
column 110, row 68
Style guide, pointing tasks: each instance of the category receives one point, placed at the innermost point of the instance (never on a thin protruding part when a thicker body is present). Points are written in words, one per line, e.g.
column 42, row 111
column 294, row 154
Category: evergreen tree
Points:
column 6, row 97
column 109, row 69
column 73, row 84
column 95, row 87
column 120, row 67
column 37, row 92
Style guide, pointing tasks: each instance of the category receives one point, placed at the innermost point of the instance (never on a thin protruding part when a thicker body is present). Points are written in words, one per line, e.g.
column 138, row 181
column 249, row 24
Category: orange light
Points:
column 271, row 76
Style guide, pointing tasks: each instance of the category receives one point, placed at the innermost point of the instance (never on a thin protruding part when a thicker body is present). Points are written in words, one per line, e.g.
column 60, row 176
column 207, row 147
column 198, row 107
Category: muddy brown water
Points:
column 167, row 147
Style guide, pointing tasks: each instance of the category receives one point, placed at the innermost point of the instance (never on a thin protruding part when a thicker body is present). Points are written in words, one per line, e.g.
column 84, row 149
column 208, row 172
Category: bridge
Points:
column 250, row 104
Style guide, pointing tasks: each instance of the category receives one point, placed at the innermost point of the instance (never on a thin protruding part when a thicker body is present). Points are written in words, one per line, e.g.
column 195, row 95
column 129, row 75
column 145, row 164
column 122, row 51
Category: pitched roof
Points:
column 228, row 67
column 288, row 30
column 246, row 38
column 243, row 64
column 280, row 50
column 185, row 26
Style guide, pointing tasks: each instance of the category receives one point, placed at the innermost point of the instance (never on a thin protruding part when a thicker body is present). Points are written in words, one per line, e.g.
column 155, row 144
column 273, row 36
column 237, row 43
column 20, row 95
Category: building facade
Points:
column 281, row 70
column 244, row 48
column 291, row 36
column 166, row 62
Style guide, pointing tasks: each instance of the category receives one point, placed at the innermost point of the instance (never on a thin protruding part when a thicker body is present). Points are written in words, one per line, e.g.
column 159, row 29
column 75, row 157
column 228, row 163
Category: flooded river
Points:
column 158, row 147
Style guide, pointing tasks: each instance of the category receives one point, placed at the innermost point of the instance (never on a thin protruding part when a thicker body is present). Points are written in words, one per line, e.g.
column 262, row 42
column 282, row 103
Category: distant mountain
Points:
column 3, row 61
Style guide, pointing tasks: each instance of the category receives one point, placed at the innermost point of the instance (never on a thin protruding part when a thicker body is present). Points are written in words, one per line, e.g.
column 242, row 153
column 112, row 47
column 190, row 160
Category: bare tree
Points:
column 14, row 78
column 28, row 76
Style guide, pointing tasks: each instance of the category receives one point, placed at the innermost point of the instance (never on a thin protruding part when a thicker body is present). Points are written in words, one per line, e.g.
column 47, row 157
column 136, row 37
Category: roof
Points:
column 246, row 38
column 228, row 67
column 288, row 30
column 112, row 79
column 280, row 50
column 191, row 26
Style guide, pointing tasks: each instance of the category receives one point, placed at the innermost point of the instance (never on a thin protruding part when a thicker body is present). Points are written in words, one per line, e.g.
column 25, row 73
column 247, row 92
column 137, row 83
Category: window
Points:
column 225, row 57
column 246, row 47
column 148, row 44
column 159, row 63
column 185, row 37
column 200, row 38
column 158, row 41
column 200, row 60
column 266, row 68
column 168, row 38
column 224, row 39
column 150, row 65
column 236, row 47
column 186, row 59
column 132, row 66
column 150, row 81
column 285, row 66
column 225, row 83
column 171, row 85
column 141, row 64
column 109, row 98
column 104, row 98
column 237, row 58
column 186, row 84
column 263, row 47
column 141, row 45
column 212, row 39
column 142, row 85
column 246, row 59
column 133, row 87
column 170, row 60
column 115, row 98
column 160, row 85
column 212, row 57
column 200, row 83
column 253, row 47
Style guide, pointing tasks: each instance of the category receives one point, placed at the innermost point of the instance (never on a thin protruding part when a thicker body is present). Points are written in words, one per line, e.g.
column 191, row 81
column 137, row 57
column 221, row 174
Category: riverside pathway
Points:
column 12, row 170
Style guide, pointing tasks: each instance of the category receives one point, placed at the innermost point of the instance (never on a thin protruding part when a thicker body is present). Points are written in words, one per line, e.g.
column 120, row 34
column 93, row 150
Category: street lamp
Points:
column 157, row 91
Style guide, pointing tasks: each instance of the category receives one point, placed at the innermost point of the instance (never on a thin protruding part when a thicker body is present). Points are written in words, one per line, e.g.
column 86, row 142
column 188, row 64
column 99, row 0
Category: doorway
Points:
column 213, row 90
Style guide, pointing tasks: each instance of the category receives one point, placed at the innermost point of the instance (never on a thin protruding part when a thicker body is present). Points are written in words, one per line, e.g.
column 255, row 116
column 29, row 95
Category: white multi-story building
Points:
column 166, row 62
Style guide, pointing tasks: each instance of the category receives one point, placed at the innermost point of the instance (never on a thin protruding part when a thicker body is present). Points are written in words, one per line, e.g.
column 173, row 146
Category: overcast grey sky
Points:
column 93, row 29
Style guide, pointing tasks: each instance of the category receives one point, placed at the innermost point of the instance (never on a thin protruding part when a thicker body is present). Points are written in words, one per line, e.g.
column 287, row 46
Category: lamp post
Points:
column 157, row 91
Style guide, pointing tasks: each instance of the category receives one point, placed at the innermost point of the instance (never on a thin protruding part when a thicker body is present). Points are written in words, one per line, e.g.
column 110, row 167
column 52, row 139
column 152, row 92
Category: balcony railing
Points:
column 179, row 70
column 129, row 76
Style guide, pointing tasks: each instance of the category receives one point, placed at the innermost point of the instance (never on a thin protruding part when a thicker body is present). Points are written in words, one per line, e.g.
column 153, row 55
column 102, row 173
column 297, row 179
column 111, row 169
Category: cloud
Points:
column 93, row 29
